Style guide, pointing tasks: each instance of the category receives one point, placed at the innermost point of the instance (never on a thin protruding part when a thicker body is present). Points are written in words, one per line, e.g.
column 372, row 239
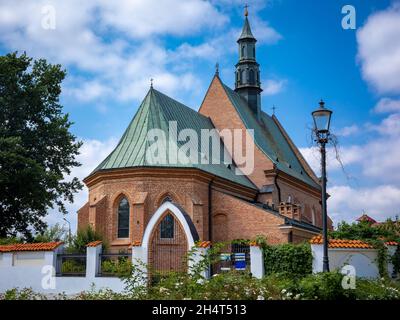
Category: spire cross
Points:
column 273, row 109
column 217, row 68
column 246, row 11
column 151, row 82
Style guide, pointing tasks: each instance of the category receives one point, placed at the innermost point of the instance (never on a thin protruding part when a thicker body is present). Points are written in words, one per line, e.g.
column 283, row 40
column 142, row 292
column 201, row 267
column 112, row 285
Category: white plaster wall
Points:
column 257, row 262
column 363, row 260
column 41, row 276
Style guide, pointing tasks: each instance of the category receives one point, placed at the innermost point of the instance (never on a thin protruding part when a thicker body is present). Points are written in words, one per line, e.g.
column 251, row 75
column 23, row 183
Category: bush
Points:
column 82, row 238
column 119, row 267
column 288, row 259
column 324, row 286
column 236, row 286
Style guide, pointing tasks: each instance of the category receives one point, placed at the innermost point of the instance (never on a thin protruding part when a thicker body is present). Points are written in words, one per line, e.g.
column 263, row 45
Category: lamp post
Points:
column 69, row 230
column 322, row 121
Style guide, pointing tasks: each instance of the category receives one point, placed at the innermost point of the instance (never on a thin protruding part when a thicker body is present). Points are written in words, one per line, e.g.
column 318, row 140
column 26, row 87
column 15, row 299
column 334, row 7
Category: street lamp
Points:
column 322, row 121
column 69, row 230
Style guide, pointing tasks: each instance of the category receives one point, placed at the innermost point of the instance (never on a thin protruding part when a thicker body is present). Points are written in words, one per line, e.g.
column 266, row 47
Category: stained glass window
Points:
column 167, row 227
column 123, row 218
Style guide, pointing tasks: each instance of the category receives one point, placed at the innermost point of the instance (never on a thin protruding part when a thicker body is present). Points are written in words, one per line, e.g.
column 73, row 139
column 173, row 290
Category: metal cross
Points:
column 273, row 109
column 151, row 82
column 246, row 12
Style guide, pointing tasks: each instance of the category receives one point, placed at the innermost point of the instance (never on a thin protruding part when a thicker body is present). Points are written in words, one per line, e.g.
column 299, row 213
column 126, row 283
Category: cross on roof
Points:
column 273, row 109
column 151, row 82
column 246, row 12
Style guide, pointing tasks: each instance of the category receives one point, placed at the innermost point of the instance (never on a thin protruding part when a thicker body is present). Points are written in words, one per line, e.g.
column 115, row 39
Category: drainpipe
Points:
column 277, row 188
column 210, row 211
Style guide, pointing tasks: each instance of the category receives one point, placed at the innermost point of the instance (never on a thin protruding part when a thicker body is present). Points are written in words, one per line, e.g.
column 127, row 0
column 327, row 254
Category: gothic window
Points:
column 254, row 52
column 167, row 227
column 243, row 77
column 123, row 218
column 251, row 76
column 242, row 55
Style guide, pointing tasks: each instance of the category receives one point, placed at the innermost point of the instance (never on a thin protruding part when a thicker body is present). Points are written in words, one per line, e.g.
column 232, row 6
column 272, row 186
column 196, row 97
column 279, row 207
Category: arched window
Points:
column 251, row 77
column 254, row 52
column 123, row 218
column 167, row 227
column 242, row 55
column 243, row 77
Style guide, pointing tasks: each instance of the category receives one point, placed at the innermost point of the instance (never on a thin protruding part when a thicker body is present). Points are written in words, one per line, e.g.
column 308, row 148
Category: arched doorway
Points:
column 168, row 246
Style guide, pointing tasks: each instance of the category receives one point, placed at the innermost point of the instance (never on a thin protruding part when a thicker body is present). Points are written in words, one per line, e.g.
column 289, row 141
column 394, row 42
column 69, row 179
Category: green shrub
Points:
column 82, row 238
column 119, row 267
column 72, row 266
column 288, row 259
column 324, row 286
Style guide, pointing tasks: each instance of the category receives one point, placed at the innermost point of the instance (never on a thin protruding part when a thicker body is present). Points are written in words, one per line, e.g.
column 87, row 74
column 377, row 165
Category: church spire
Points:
column 247, row 82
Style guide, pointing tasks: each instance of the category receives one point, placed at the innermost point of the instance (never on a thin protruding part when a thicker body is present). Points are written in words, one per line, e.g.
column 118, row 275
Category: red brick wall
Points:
column 243, row 220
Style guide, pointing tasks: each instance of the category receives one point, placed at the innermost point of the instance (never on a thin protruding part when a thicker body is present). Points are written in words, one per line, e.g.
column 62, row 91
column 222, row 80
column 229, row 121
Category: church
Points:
column 133, row 201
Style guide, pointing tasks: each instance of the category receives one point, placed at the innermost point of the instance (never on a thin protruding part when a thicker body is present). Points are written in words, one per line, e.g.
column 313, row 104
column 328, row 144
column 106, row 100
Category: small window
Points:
column 252, row 77
column 123, row 218
column 254, row 52
column 167, row 227
column 243, row 47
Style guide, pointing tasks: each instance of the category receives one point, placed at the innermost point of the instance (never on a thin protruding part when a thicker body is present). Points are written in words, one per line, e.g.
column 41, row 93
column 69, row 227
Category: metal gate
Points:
column 168, row 246
column 235, row 256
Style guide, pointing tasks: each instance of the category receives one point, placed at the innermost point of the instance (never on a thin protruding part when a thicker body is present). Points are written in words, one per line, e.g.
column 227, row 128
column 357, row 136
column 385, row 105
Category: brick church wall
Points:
column 236, row 219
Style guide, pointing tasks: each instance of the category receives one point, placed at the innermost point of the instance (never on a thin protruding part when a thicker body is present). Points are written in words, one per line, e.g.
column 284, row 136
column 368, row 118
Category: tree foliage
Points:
column 37, row 150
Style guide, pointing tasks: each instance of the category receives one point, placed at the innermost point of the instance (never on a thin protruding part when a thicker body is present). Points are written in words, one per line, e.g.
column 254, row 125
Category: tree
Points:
column 36, row 148
column 53, row 233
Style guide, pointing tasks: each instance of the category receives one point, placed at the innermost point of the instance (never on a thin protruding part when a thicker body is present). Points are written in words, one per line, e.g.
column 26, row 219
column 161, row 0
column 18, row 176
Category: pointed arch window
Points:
column 167, row 227
column 254, row 52
column 123, row 218
column 242, row 53
column 243, row 77
column 252, row 77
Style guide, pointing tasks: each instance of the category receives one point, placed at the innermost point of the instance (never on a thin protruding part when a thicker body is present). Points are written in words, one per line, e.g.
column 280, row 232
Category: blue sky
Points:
column 112, row 49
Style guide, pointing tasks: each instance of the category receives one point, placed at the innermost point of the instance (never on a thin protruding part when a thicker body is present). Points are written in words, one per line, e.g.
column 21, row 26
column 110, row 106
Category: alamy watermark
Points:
column 201, row 147
column 349, row 19
column 48, row 21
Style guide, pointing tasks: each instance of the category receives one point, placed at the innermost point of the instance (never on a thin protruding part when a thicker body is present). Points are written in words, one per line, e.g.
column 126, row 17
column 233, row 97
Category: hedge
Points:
column 288, row 259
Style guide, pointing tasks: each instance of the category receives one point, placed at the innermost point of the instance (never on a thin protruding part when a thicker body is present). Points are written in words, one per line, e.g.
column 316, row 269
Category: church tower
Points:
column 247, row 74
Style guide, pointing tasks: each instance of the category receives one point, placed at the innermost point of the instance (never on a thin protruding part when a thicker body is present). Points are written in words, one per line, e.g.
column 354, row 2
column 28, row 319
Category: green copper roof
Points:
column 246, row 31
column 156, row 112
column 269, row 138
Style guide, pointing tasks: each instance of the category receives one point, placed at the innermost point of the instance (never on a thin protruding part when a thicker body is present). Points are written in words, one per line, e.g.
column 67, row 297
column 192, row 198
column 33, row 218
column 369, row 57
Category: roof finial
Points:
column 217, row 69
column 273, row 109
column 151, row 83
column 246, row 11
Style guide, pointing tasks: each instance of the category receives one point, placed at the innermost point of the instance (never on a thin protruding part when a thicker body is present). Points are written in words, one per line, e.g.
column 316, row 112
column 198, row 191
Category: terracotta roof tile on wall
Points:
column 94, row 243
column 342, row 243
column 40, row 246
column 391, row 243
column 203, row 244
column 136, row 243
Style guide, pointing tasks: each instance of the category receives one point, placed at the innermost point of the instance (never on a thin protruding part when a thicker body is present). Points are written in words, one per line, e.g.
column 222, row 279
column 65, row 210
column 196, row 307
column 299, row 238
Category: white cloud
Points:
column 141, row 19
column 347, row 131
column 273, row 86
column 379, row 50
column 347, row 155
column 387, row 105
column 91, row 154
column 118, row 44
column 347, row 203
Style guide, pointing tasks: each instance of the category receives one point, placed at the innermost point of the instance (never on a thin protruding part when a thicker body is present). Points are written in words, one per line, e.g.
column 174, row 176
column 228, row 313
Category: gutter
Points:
column 210, row 211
